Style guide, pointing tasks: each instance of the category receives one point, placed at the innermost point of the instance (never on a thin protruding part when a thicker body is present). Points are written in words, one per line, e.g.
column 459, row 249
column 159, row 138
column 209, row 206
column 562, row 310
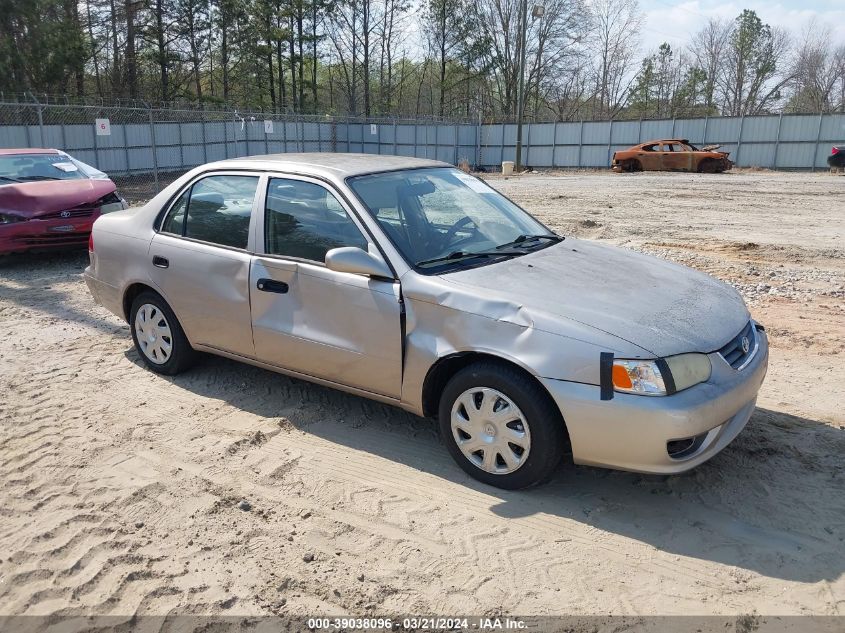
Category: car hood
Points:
column 33, row 199
column 659, row 306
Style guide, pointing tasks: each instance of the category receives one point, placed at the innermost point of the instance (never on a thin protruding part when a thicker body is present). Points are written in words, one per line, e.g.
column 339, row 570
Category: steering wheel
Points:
column 450, row 233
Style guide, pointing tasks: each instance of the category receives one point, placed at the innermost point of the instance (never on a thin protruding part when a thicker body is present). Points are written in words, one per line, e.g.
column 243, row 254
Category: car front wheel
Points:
column 501, row 426
column 158, row 337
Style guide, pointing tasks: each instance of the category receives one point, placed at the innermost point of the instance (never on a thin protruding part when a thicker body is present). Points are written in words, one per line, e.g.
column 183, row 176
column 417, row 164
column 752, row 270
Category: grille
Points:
column 733, row 353
column 54, row 240
column 77, row 212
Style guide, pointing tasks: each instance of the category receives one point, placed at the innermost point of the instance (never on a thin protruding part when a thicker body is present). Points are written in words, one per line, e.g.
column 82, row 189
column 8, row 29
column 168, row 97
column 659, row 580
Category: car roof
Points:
column 31, row 150
column 667, row 140
column 328, row 164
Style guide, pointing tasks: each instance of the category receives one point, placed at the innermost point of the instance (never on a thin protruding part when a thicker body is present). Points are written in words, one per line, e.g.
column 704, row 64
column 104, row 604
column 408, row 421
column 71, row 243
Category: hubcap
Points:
column 153, row 333
column 490, row 430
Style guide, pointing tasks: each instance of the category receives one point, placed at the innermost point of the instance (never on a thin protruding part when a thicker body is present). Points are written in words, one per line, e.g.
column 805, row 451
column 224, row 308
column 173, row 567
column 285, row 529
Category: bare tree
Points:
column 818, row 69
column 614, row 44
column 708, row 48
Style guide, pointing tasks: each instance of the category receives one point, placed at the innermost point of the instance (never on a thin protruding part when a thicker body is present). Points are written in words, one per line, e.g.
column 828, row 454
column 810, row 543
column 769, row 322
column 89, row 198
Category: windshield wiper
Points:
column 530, row 238
column 26, row 178
column 458, row 255
column 10, row 179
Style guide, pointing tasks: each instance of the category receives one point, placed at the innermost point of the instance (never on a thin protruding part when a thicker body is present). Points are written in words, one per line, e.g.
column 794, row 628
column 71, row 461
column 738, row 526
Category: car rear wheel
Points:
column 158, row 337
column 500, row 426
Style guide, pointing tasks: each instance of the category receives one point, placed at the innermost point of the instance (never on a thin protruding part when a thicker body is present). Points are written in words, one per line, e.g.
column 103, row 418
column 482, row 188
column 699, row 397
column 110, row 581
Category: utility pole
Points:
column 536, row 13
column 520, row 93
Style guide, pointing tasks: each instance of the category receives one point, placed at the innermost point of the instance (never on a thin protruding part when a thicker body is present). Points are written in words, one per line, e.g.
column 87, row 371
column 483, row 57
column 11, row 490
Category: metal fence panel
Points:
column 541, row 134
column 691, row 129
column 509, row 136
column 758, row 154
column 759, row 128
column 656, row 130
column 799, row 127
column 625, row 133
column 796, row 155
column 540, row 156
column 466, row 153
column 153, row 146
column 566, row 156
column 493, row 134
column 568, row 133
column 833, row 129
column 722, row 130
column 466, row 135
column 596, row 133
column 593, row 156
column 491, row 156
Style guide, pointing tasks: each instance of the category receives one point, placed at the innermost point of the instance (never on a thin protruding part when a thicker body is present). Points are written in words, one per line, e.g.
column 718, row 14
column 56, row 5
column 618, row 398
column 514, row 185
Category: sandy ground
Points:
column 121, row 489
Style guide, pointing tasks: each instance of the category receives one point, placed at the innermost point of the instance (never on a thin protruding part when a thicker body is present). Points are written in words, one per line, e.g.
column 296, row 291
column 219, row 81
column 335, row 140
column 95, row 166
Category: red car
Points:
column 50, row 199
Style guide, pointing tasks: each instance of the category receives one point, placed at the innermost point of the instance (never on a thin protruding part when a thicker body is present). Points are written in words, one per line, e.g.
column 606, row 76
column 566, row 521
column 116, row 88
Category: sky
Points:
column 674, row 21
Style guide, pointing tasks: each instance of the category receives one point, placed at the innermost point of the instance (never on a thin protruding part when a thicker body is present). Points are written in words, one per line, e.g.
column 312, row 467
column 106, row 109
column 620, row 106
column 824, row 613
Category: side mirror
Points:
column 350, row 259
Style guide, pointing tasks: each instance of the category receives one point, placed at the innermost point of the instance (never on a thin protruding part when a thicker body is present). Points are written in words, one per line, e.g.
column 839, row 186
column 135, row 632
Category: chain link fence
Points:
column 143, row 148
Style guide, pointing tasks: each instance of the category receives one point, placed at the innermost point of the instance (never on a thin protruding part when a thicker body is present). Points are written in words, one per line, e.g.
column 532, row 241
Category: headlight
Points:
column 638, row 376
column 111, row 203
column 8, row 218
column 688, row 369
column 662, row 376
column 111, row 207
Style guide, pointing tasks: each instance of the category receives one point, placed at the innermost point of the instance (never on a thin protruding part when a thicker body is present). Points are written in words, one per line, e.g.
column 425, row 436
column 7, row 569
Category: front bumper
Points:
column 38, row 234
column 631, row 432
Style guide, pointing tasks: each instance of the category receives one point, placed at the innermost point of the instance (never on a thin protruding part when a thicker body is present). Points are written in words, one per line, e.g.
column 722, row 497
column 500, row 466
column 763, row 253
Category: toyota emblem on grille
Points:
column 746, row 345
column 65, row 214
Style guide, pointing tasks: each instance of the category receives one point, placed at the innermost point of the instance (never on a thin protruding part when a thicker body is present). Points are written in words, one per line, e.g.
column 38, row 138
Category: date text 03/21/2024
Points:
column 419, row 624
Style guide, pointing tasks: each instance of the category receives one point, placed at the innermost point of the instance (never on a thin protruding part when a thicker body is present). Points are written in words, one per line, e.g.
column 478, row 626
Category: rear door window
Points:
column 216, row 209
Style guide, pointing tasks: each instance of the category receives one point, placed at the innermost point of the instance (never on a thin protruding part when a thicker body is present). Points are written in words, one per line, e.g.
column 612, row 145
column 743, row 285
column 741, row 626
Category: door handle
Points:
column 160, row 262
column 271, row 285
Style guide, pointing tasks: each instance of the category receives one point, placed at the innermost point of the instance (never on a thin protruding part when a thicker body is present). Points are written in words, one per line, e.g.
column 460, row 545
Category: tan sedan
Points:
column 412, row 283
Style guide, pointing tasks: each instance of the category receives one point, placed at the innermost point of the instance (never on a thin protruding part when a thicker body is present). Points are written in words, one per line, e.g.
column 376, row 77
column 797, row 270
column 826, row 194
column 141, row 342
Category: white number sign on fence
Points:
column 103, row 127
column 268, row 127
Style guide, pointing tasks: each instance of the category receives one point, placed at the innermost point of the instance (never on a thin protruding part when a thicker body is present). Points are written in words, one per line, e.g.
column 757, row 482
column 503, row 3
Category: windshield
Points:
column 444, row 218
column 32, row 167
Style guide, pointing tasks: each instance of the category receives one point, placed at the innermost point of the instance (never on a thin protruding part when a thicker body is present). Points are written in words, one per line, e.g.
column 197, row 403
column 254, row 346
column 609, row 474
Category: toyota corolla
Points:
column 410, row 282
column 49, row 199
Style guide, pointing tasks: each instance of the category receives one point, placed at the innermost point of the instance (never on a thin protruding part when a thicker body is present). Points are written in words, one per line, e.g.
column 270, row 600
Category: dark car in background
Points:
column 836, row 160
column 49, row 199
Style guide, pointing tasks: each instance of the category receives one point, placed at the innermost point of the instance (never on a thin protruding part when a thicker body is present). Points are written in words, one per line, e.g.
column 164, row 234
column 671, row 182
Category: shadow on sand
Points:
column 767, row 503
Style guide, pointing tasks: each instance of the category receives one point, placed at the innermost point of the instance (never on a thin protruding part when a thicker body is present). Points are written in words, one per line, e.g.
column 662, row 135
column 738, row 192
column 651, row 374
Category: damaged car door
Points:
column 651, row 157
column 677, row 157
column 336, row 326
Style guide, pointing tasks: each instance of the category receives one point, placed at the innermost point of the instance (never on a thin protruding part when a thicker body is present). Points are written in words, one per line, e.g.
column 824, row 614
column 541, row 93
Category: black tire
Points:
column 549, row 440
column 708, row 166
column 182, row 355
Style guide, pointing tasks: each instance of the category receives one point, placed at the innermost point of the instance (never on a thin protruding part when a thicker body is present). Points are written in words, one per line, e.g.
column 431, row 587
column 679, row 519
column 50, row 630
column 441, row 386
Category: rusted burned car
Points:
column 671, row 155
